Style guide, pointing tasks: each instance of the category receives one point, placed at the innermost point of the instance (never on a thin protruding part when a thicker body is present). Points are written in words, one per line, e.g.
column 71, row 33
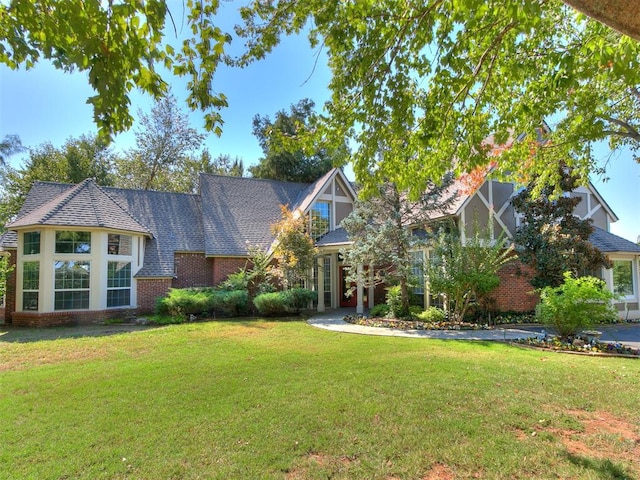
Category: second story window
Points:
column 320, row 219
column 73, row 242
column 119, row 244
column 31, row 243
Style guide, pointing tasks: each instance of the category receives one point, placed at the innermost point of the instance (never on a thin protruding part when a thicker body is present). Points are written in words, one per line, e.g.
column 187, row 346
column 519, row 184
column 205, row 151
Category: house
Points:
column 85, row 253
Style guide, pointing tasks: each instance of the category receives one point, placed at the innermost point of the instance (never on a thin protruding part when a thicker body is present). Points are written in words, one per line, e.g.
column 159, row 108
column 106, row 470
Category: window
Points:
column 320, row 219
column 623, row 281
column 327, row 281
column 30, row 285
column 118, row 284
column 417, row 271
column 71, row 285
column 31, row 243
column 119, row 244
column 73, row 242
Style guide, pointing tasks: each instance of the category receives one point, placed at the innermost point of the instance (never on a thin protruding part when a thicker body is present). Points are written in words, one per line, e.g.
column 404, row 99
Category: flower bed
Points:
column 554, row 343
column 412, row 324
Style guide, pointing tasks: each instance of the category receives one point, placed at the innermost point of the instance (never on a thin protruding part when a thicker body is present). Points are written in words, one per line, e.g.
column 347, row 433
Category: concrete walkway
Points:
column 333, row 321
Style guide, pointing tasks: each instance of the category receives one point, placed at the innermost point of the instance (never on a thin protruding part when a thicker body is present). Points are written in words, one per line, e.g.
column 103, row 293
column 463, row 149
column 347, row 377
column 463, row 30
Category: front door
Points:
column 348, row 292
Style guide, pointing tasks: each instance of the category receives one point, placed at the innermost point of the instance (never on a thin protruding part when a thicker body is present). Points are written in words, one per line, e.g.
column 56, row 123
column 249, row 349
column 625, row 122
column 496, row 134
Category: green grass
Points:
column 258, row 399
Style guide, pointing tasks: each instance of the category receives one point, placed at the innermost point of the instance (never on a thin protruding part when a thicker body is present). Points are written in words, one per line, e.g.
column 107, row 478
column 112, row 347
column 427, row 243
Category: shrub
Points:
column 380, row 310
column 236, row 281
column 185, row 302
column 432, row 315
column 285, row 302
column 232, row 303
column 576, row 305
column 202, row 301
column 394, row 301
column 271, row 304
column 299, row 298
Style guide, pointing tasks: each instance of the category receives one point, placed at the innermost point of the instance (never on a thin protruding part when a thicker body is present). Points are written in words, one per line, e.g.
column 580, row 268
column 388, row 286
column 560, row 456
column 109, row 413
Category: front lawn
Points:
column 267, row 399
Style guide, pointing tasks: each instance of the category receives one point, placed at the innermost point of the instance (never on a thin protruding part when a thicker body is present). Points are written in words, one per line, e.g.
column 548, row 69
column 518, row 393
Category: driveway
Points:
column 625, row 333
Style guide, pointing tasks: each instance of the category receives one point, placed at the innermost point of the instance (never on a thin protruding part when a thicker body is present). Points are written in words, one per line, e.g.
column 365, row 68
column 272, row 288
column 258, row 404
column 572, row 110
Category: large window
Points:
column 73, row 242
column 327, row 281
column 320, row 219
column 71, row 285
column 118, row 284
column 417, row 271
column 30, row 285
column 623, row 281
column 31, row 243
column 119, row 244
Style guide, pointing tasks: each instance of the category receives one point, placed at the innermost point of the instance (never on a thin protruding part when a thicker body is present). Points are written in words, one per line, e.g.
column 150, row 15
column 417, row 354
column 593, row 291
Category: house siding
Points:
column 192, row 270
column 223, row 267
column 515, row 292
column 149, row 289
column 71, row 318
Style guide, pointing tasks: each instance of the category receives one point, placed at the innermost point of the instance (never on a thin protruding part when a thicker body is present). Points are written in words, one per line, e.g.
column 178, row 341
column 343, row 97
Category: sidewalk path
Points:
column 333, row 321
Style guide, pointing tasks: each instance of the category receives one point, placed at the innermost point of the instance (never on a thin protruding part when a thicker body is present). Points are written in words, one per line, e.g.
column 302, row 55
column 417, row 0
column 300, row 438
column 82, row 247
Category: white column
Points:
column 321, row 274
column 359, row 305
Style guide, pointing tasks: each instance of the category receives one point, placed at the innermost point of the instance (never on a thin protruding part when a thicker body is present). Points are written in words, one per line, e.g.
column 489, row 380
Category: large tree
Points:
column 286, row 156
column 429, row 82
column 551, row 239
column 164, row 140
column 381, row 229
column 9, row 145
column 87, row 156
column 424, row 81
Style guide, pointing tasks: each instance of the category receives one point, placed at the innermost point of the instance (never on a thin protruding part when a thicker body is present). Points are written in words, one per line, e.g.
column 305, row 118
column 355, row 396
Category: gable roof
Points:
column 607, row 242
column 238, row 212
column 82, row 205
column 172, row 220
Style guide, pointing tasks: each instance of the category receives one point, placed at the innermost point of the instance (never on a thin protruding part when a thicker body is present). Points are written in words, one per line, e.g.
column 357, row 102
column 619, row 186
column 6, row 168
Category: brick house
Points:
column 85, row 253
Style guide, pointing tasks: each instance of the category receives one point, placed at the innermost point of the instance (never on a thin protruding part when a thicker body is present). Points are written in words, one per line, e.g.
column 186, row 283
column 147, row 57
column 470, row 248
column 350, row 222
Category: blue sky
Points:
column 45, row 105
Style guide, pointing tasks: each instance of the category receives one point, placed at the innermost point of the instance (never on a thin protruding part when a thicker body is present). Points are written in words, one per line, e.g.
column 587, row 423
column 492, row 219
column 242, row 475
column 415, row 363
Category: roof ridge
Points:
column 103, row 190
column 256, row 179
column 65, row 197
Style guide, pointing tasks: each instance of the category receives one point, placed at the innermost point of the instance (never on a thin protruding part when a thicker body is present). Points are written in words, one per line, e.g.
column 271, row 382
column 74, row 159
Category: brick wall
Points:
column 57, row 319
column 222, row 267
column 149, row 289
column 514, row 291
column 192, row 270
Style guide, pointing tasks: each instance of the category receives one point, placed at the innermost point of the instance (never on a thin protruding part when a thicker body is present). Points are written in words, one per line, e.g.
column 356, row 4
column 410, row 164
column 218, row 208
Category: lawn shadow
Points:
column 11, row 334
column 603, row 468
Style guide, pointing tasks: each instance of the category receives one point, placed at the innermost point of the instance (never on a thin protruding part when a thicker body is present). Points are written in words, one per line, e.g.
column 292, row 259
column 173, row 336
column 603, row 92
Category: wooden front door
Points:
column 348, row 292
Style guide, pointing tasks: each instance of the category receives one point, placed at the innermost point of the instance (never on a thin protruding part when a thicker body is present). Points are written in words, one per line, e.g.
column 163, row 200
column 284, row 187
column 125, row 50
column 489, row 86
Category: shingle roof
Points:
column 82, row 205
column 336, row 237
column 607, row 242
column 174, row 220
column 9, row 239
column 238, row 212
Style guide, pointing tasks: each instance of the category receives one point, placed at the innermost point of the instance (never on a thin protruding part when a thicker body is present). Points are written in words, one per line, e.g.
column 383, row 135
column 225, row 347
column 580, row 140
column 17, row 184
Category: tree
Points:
column 293, row 250
column 466, row 272
column 429, row 82
column 120, row 46
column 163, row 141
column 286, row 156
column 551, row 239
column 5, row 271
column 10, row 145
column 380, row 229
column 185, row 177
column 87, row 156
column 576, row 304
column 425, row 81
